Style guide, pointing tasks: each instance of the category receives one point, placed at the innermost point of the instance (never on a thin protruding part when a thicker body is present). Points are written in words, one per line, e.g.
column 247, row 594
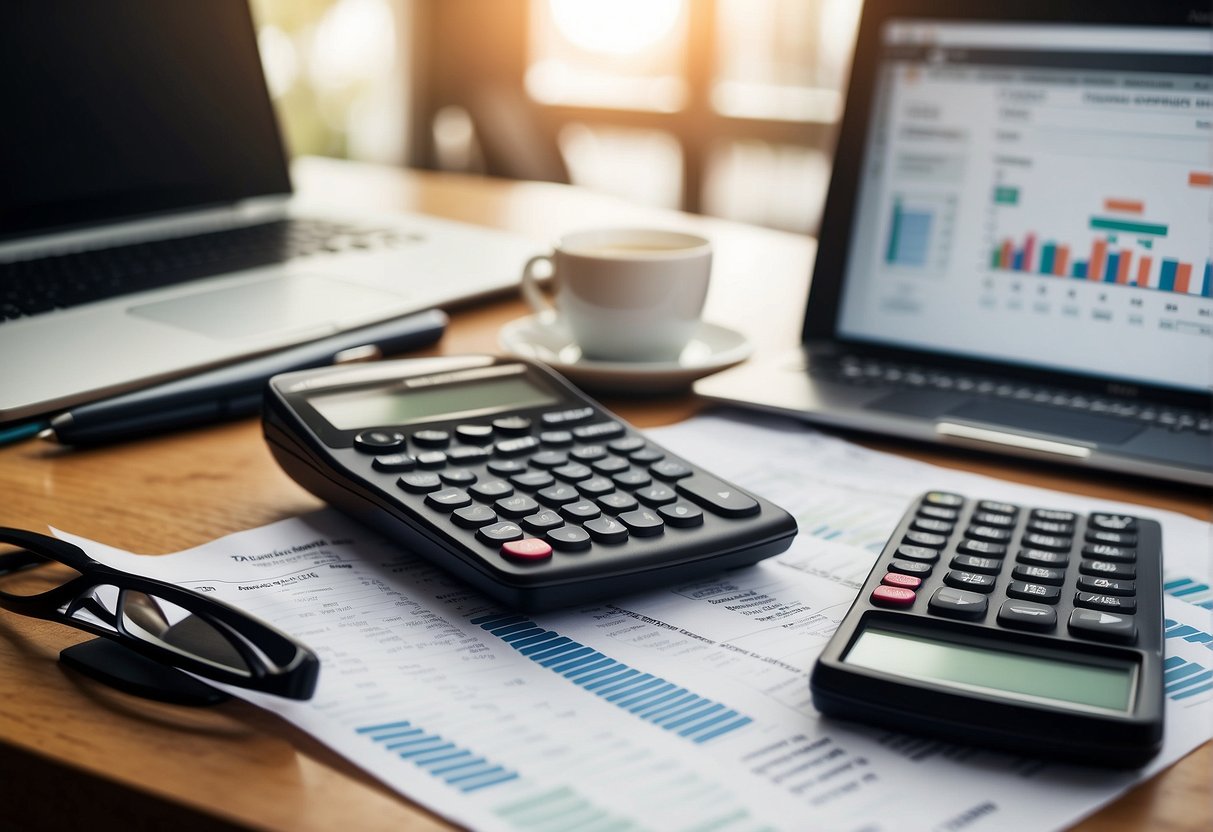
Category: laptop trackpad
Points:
column 276, row 305
column 1088, row 427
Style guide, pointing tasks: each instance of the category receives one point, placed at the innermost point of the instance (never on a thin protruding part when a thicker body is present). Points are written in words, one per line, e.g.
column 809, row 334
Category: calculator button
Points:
column 491, row 490
column 927, row 524
column 499, row 532
column 517, row 446
column 607, row 530
column 574, row 416
column 457, row 476
column 643, row 523
column 681, row 515
column 599, row 430
column 632, row 478
column 588, row 453
column 512, row 425
column 969, row 580
column 938, row 512
column 1115, row 554
column 557, row 495
column 580, row 511
column 596, row 486
column 716, row 496
column 903, row 581
column 559, row 438
column 893, row 596
column 448, row 499
column 934, row 541
column 958, row 603
column 467, row 453
column 431, row 438
column 515, row 506
column 431, row 459
column 573, row 472
column 983, row 548
column 1039, row 574
column 610, row 465
column 1107, row 586
column 989, row 518
column 942, row 498
column 420, row 482
column 1036, row 557
column 1053, row 543
column 997, row 507
column 541, row 521
column 394, row 462
column 1106, row 569
column 378, row 441
column 1105, row 601
column 991, row 533
column 1113, row 522
column 1104, row 626
column 569, row 538
column 507, row 467
column 1111, row 538
column 646, row 456
column 909, row 567
column 669, row 469
column 1050, row 527
column 532, row 480
column 528, row 550
column 922, row 554
column 473, row 517
column 1026, row 615
column 656, row 495
column 1033, row 592
column 618, row 501
column 627, row 445
column 549, row 459
column 971, row 563
column 475, row 434
column 1055, row 516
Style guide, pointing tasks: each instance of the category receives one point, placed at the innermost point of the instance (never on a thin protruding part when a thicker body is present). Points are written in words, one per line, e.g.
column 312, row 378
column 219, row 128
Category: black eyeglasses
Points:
column 158, row 620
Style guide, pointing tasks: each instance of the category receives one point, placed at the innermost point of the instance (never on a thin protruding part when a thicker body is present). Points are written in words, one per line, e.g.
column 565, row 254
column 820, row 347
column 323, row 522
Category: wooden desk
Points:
column 79, row 753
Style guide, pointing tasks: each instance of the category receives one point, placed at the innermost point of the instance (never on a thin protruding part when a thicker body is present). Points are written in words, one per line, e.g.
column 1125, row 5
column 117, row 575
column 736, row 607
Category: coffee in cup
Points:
column 626, row 294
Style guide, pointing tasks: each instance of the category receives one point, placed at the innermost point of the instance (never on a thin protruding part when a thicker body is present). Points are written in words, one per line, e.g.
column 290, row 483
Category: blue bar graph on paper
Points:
column 458, row 767
column 1183, row 679
column 1192, row 591
column 648, row 697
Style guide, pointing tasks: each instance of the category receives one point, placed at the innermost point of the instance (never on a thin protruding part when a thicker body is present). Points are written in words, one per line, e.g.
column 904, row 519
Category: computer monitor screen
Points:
column 1039, row 194
column 117, row 108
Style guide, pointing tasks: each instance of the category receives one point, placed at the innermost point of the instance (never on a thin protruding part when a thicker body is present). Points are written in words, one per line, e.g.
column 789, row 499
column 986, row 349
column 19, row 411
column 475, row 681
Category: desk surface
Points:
column 80, row 752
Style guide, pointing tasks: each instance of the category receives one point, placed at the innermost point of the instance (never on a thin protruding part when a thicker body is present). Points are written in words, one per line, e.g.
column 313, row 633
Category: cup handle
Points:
column 530, row 287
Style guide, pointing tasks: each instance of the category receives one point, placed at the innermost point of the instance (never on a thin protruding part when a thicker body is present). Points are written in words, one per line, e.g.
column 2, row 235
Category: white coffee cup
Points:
column 626, row 294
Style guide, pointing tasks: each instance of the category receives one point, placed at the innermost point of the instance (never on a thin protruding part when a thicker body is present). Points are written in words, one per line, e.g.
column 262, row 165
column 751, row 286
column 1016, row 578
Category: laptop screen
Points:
column 118, row 108
column 1039, row 194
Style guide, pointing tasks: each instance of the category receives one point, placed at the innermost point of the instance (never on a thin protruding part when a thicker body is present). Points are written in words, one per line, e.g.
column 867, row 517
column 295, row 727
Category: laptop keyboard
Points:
column 857, row 370
column 30, row 287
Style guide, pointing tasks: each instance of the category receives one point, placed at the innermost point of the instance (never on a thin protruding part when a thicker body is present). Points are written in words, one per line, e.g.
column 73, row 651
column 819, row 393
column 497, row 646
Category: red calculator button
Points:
column 903, row 581
column 527, row 550
column 893, row 596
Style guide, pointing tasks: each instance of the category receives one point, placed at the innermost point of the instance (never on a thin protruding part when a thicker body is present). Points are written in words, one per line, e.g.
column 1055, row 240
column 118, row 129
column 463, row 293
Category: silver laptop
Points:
column 147, row 227
column 1015, row 252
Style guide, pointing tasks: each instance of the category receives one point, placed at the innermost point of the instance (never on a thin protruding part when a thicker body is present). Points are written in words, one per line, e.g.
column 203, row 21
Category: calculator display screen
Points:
column 396, row 406
column 1108, row 685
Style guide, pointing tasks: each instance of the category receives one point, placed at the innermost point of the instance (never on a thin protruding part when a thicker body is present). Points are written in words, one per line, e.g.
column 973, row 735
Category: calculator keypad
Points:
column 1031, row 569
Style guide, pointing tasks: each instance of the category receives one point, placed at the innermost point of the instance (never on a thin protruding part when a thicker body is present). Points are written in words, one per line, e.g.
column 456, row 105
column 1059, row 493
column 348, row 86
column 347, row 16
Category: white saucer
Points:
column 543, row 338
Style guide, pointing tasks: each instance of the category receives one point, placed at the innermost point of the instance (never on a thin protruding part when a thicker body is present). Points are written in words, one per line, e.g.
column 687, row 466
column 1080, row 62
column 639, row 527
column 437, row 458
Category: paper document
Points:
column 685, row 708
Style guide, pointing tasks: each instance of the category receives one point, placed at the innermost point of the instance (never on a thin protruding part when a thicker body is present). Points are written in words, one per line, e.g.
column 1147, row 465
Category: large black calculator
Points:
column 501, row 472
column 1024, row 628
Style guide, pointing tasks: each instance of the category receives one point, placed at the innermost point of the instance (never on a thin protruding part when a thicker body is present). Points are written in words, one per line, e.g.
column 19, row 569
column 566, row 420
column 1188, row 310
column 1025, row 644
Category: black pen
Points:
column 235, row 390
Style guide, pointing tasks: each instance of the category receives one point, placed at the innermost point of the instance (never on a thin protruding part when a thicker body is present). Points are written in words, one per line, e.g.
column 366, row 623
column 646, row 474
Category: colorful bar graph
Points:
column 1183, row 277
column 1061, row 261
column 1099, row 257
column 648, row 697
column 1143, row 272
column 1122, row 268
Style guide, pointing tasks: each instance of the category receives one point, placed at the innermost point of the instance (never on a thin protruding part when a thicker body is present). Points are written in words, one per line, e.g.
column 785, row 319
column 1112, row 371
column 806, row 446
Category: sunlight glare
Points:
column 619, row 27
